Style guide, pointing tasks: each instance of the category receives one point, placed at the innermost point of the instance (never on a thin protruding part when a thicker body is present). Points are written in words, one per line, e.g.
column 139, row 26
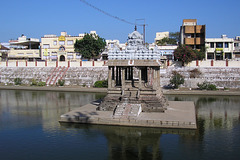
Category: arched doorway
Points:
column 62, row 58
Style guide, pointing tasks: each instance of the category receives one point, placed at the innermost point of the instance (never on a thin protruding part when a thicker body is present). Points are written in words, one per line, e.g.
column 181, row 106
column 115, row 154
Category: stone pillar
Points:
column 109, row 77
column 113, row 77
column 123, row 78
column 140, row 78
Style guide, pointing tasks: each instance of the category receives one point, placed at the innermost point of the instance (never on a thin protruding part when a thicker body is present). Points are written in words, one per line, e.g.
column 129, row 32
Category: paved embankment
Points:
column 231, row 92
column 178, row 115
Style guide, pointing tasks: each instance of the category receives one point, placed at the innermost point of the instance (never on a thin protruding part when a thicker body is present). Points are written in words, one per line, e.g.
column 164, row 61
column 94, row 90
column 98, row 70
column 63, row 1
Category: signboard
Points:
column 45, row 52
column 61, row 38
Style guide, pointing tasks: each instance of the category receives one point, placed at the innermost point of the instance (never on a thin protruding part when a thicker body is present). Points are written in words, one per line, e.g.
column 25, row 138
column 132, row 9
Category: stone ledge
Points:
column 178, row 115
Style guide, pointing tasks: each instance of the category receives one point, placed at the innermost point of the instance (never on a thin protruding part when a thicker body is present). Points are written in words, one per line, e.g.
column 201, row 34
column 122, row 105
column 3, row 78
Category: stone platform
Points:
column 178, row 115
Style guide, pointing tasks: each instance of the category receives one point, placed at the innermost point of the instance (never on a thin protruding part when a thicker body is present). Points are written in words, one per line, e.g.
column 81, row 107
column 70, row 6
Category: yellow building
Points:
column 60, row 48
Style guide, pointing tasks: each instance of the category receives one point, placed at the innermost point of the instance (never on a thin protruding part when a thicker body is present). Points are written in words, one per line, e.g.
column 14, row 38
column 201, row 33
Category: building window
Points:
column 226, row 44
column 211, row 44
column 219, row 45
column 46, row 46
column 70, row 42
column 54, row 43
column 61, row 42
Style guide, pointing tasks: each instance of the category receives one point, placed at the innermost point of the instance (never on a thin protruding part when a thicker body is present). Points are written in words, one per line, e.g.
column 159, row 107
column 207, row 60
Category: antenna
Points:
column 144, row 25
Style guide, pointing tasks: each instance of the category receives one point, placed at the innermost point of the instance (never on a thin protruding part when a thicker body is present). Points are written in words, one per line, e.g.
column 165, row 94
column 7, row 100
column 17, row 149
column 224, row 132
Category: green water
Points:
column 29, row 129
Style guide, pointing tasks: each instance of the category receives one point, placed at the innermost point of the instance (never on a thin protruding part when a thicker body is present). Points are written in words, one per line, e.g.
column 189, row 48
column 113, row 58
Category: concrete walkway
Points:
column 178, row 115
column 231, row 92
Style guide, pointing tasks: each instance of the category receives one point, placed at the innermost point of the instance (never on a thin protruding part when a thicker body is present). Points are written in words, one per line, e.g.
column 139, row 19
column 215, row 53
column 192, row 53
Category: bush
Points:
column 34, row 82
column 206, row 86
column 195, row 73
column 41, row 83
column 17, row 81
column 101, row 84
column 176, row 79
column 61, row 82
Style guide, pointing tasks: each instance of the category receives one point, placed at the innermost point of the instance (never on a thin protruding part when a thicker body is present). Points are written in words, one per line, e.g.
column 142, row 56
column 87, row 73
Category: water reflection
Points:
column 32, row 117
column 39, row 107
column 131, row 142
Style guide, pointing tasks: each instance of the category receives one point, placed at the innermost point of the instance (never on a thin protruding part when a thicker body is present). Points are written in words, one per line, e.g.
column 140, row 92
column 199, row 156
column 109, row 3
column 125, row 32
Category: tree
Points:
column 166, row 41
column 175, row 36
column 90, row 46
column 176, row 79
column 185, row 54
column 200, row 53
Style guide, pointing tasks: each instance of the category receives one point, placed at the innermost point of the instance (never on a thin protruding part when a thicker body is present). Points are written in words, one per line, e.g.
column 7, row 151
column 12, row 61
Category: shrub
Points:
column 17, row 81
column 34, row 82
column 176, row 79
column 207, row 86
column 61, row 82
column 101, row 84
column 41, row 83
column 195, row 73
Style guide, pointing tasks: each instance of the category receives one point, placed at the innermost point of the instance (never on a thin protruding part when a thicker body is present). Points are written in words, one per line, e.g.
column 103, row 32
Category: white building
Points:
column 219, row 48
column 24, row 49
column 161, row 35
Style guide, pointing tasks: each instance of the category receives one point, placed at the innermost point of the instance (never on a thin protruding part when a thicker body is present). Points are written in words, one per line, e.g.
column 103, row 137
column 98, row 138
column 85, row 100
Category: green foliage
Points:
column 185, row 54
column 17, row 81
column 200, row 54
column 101, row 84
column 34, row 82
column 166, row 41
column 206, row 86
column 176, row 79
column 175, row 36
column 195, row 73
column 41, row 83
column 90, row 46
column 61, row 82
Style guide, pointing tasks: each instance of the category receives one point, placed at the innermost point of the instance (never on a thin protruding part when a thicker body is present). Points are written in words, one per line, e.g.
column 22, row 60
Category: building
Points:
column 135, row 49
column 24, row 49
column 166, row 51
column 236, row 51
column 161, row 35
column 191, row 34
column 134, row 80
column 3, row 52
column 60, row 48
column 219, row 48
column 110, row 45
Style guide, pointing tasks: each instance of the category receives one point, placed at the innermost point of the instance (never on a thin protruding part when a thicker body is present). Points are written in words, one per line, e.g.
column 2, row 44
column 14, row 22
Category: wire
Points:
column 106, row 13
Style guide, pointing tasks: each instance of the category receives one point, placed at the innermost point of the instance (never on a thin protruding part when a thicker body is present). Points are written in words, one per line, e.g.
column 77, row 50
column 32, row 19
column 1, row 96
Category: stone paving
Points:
column 178, row 115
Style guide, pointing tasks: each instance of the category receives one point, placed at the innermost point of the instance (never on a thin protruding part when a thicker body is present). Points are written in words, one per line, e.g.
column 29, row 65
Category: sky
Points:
column 38, row 18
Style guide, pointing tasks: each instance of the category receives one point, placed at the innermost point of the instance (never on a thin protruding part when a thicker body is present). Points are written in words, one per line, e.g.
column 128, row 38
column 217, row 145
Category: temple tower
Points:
column 134, row 80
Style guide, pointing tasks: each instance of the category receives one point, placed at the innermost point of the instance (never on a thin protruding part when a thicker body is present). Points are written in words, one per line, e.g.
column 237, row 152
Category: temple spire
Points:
column 135, row 28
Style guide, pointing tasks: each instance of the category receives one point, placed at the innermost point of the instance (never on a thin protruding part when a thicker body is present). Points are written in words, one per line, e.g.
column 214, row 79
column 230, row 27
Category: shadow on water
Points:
column 131, row 142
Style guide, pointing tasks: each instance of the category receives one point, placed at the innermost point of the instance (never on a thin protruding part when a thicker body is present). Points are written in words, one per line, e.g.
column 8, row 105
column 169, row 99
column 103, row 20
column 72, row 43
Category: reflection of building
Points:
column 61, row 47
column 219, row 48
column 191, row 34
column 24, row 48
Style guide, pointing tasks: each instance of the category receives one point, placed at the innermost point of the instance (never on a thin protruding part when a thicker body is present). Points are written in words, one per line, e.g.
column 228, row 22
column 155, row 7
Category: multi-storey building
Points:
column 191, row 34
column 24, row 49
column 236, row 51
column 3, row 52
column 60, row 48
column 161, row 35
column 219, row 48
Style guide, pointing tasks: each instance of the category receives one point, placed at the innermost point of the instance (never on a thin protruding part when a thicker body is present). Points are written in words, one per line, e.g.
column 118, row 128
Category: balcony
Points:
column 24, row 53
